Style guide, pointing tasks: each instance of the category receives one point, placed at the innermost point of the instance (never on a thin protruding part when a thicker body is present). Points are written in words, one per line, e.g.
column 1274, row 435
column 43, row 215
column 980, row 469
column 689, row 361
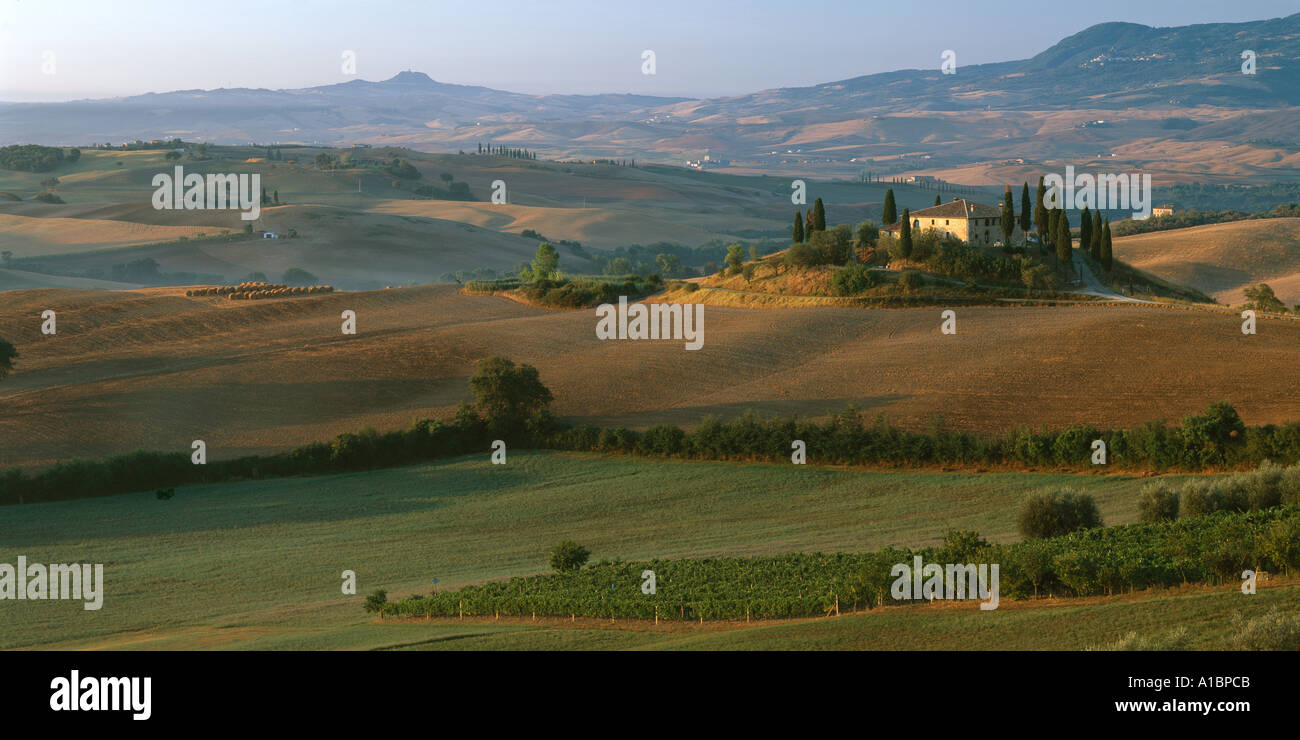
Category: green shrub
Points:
column 376, row 601
column 1178, row 639
column 1057, row 513
column 853, row 280
column 1272, row 631
column 569, row 555
column 911, row 281
column 1157, row 502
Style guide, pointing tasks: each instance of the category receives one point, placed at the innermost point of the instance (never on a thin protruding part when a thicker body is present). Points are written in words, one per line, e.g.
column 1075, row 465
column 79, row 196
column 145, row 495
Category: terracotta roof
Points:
column 958, row 209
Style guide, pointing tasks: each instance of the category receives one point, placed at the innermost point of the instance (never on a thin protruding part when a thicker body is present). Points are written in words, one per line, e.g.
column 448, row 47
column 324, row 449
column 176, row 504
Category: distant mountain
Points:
column 1180, row 91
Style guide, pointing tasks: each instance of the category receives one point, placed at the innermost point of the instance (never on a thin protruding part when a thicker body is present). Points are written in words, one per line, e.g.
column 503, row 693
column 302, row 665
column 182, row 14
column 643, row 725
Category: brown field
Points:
column 155, row 369
column 1222, row 259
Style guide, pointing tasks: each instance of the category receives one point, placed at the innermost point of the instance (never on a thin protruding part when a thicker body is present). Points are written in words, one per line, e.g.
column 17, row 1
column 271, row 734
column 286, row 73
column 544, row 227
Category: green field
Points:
column 257, row 564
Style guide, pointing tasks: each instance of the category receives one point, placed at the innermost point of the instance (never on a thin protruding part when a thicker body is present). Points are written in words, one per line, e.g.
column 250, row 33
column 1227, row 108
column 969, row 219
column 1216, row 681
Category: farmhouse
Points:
column 973, row 223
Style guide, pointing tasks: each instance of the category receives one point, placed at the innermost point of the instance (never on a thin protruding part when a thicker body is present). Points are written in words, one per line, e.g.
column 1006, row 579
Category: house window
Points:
column 945, row 222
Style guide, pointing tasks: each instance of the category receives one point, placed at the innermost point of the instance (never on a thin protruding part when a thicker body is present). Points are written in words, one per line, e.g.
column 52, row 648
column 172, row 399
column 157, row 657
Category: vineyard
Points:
column 1212, row 548
column 258, row 290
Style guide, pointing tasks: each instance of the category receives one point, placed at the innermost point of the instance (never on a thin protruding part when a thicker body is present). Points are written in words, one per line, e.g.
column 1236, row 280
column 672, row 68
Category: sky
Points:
column 71, row 49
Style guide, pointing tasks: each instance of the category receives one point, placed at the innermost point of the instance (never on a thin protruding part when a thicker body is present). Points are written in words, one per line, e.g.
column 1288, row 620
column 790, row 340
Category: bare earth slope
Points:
column 155, row 369
column 1222, row 259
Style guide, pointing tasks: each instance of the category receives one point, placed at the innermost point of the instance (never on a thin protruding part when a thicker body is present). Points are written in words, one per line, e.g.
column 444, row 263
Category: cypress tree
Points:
column 1008, row 220
column 809, row 226
column 1063, row 246
column 890, row 215
column 819, row 215
column 905, row 235
column 1040, row 213
column 1026, row 210
column 936, row 200
column 1095, row 245
column 1085, row 230
column 798, row 227
column 1107, row 259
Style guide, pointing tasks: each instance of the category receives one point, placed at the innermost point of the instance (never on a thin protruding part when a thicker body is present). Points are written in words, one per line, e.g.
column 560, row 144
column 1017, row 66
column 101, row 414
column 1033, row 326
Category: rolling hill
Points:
column 155, row 369
column 1222, row 259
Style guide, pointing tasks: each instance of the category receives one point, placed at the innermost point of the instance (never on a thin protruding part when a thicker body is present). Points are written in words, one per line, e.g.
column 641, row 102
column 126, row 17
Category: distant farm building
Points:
column 270, row 235
column 1165, row 210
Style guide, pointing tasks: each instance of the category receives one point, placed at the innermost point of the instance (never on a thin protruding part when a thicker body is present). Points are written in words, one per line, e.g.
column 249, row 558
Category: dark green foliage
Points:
column 1262, row 298
column 1157, row 502
column 507, row 393
column 905, row 235
column 30, row 157
column 298, row 276
column 889, row 216
column 1026, row 209
column 376, row 601
column 7, row 355
column 797, row 234
column 853, row 280
column 1107, row 258
column 569, row 556
column 1057, row 513
column 819, row 215
column 1085, row 562
column 911, row 280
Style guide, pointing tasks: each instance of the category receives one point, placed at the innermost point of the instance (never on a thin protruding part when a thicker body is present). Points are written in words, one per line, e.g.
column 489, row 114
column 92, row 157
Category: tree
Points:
column 545, row 262
column 1062, row 240
column 797, row 234
column 669, row 265
column 905, row 235
column 298, row 276
column 446, row 177
column 507, row 392
column 7, row 355
column 735, row 259
column 1107, row 260
column 276, row 197
column 1094, row 246
column 569, row 555
column 1058, row 513
column 1085, row 229
column 1026, row 210
column 1008, row 220
column 1040, row 213
column 819, row 215
column 1262, row 298
column 376, row 601
column 890, row 215
column 809, row 225
column 867, row 236
column 936, row 199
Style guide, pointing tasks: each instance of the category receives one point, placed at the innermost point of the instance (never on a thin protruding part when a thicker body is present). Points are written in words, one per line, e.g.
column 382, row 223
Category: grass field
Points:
column 258, row 564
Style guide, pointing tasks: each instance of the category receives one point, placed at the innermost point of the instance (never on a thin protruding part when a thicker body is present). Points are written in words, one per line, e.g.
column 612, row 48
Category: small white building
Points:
column 270, row 235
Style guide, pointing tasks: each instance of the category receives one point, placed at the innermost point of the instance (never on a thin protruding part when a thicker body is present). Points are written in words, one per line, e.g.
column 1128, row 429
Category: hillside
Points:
column 1170, row 100
column 155, row 369
column 357, row 229
column 1222, row 259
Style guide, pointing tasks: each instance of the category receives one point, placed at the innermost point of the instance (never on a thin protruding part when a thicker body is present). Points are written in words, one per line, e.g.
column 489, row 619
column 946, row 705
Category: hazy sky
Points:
column 104, row 48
